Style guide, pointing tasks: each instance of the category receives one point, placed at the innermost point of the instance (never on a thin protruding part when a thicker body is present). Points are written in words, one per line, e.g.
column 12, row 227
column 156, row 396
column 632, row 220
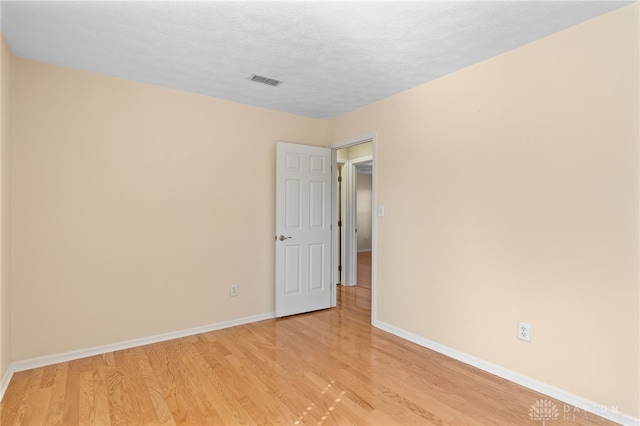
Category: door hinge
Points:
column 339, row 268
column 339, row 223
column 339, row 178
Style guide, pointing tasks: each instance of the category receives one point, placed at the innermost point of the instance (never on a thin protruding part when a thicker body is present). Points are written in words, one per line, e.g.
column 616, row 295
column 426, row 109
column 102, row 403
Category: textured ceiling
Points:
column 333, row 57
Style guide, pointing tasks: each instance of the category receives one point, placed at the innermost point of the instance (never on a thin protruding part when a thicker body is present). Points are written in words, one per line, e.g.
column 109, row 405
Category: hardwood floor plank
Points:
column 71, row 411
column 223, row 404
column 200, row 409
column 138, row 408
column 24, row 413
column 113, row 384
column 329, row 367
column 364, row 269
column 262, row 409
column 85, row 403
column 12, row 401
column 100, row 403
column 153, row 388
column 58, row 383
column 48, row 375
column 37, row 408
column 164, row 388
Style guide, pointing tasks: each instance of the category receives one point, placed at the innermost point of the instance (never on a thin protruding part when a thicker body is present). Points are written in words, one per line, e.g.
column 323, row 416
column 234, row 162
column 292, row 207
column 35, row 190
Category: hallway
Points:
column 364, row 269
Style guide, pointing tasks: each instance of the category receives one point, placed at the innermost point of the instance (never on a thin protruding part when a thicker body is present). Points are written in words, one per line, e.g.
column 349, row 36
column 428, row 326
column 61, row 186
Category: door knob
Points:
column 282, row 238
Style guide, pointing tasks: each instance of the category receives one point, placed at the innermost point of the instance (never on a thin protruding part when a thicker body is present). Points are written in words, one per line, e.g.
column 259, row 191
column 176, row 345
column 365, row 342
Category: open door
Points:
column 303, row 228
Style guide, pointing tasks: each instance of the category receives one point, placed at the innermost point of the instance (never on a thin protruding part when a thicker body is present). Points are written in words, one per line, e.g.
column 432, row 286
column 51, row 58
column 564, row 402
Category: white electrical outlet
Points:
column 524, row 331
column 234, row 290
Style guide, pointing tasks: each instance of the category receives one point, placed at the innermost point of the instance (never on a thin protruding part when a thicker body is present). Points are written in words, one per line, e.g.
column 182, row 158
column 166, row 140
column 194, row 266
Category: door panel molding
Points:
column 303, row 229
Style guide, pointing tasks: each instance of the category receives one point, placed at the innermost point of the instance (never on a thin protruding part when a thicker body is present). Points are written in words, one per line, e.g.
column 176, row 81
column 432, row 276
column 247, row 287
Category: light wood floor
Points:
column 364, row 269
column 323, row 368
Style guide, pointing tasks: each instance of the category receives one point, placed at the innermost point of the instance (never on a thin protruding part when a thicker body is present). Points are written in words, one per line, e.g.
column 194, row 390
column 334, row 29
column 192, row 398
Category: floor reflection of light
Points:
column 329, row 410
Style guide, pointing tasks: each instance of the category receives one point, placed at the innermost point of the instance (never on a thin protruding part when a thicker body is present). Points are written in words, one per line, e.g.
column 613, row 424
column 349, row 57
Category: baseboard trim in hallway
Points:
column 609, row 413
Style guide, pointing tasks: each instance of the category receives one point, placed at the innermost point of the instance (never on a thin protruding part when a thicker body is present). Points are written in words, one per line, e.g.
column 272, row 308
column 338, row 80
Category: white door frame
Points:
column 369, row 137
column 343, row 204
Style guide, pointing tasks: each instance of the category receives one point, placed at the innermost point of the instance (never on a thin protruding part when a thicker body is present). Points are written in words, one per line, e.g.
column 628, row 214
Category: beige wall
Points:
column 343, row 154
column 355, row 152
column 6, row 59
column 527, row 209
column 136, row 207
column 363, row 214
column 360, row 150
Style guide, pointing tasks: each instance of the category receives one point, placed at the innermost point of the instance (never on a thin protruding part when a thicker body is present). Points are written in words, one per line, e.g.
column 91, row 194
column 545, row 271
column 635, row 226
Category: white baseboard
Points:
column 581, row 403
column 364, row 250
column 5, row 380
column 42, row 361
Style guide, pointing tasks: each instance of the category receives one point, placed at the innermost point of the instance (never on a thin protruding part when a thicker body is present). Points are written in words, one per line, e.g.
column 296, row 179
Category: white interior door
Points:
column 303, row 228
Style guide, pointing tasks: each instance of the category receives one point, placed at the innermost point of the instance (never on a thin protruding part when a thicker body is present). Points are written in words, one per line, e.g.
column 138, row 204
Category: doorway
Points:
column 355, row 157
column 364, row 211
column 355, row 215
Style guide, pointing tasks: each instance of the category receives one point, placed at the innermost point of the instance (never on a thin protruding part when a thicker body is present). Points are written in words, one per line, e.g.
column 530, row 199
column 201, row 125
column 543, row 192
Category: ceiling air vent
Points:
column 265, row 80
